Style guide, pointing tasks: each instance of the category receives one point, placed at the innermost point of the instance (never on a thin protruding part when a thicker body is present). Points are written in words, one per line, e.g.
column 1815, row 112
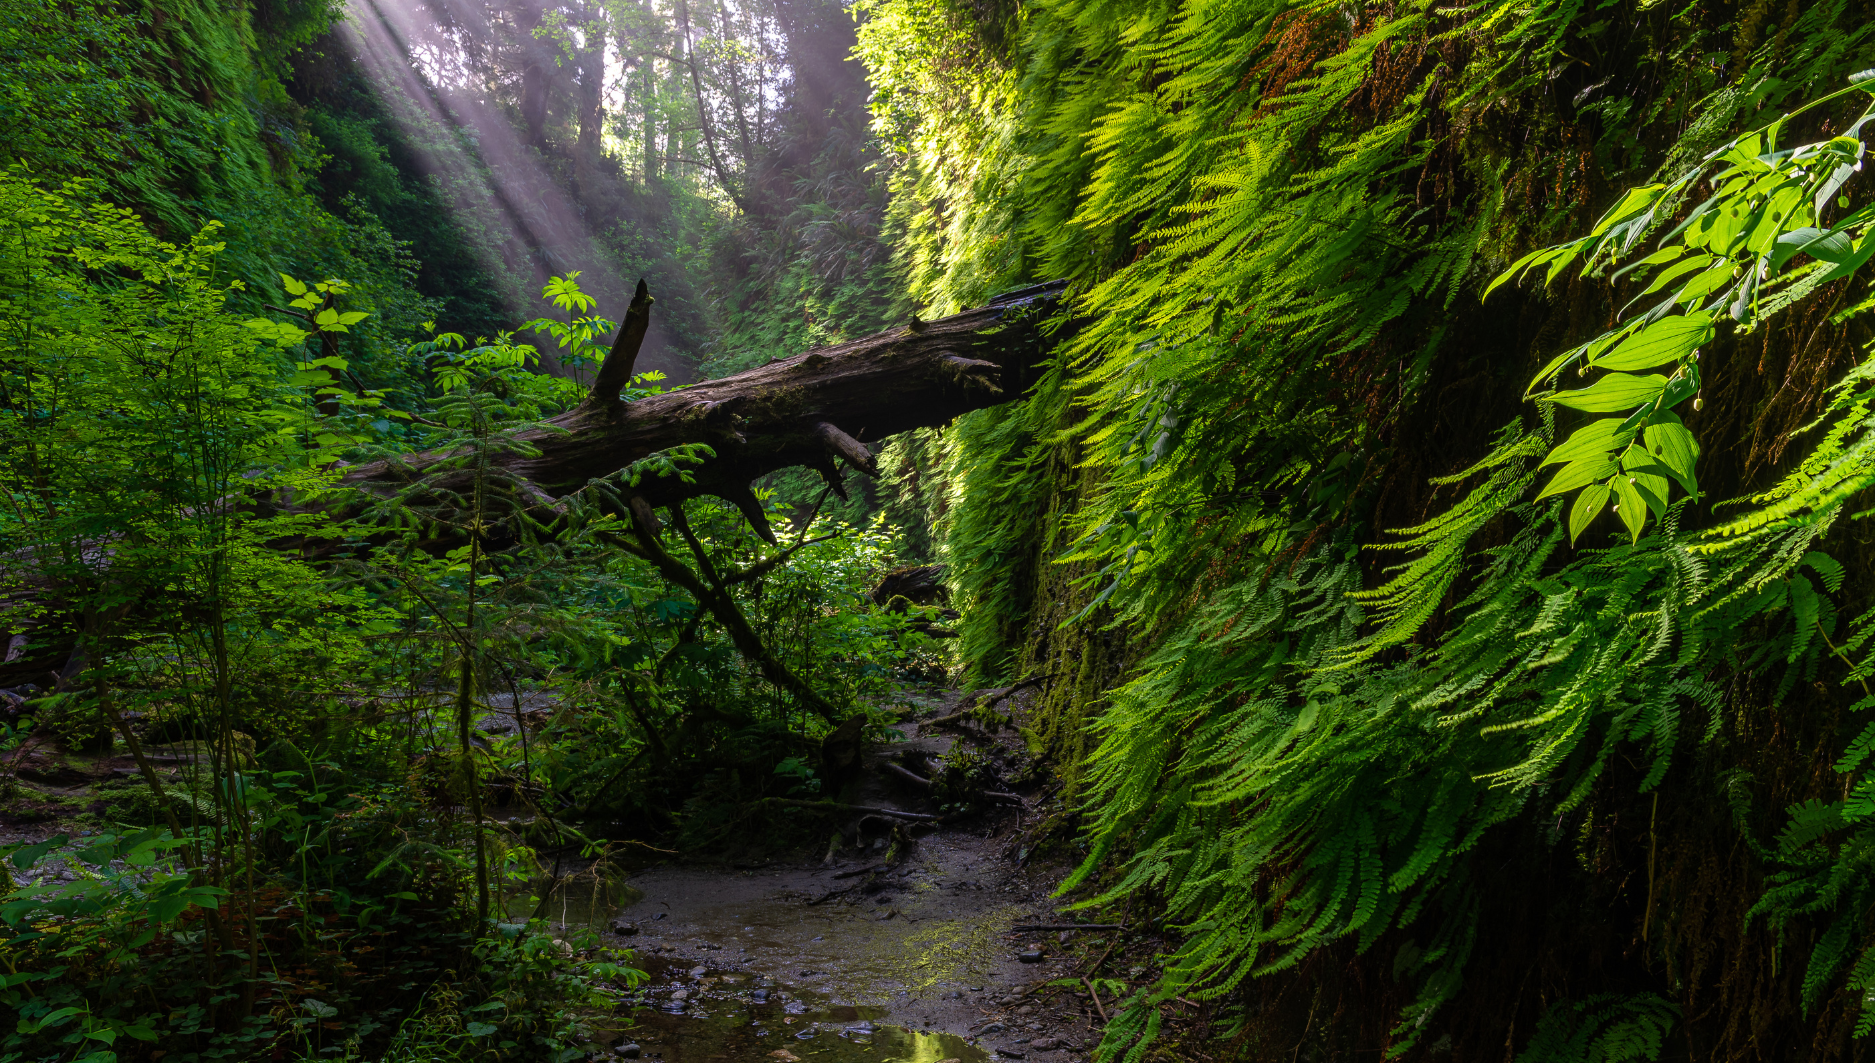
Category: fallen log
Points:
column 821, row 410
column 824, row 409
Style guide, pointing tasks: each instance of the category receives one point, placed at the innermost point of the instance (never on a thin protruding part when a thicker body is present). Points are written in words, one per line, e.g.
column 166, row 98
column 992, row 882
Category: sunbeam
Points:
column 523, row 226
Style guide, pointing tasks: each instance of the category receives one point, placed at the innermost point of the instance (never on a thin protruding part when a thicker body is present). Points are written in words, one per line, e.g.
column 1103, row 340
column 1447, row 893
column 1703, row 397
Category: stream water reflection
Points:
column 703, row 1016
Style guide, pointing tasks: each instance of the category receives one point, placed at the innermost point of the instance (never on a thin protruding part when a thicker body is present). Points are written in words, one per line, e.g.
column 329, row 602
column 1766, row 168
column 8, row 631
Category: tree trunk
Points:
column 586, row 154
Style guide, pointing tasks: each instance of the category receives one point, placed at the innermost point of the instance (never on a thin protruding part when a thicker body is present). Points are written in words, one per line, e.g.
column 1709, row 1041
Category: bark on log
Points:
column 809, row 410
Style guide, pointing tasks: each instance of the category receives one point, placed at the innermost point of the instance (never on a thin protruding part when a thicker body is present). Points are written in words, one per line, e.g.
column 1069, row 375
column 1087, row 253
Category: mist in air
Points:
column 684, row 142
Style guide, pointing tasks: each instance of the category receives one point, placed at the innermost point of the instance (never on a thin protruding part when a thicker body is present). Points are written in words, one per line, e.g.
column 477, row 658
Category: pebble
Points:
column 698, row 972
column 1009, row 1053
column 1045, row 1044
column 1031, row 956
column 628, row 1051
column 623, row 928
column 680, row 995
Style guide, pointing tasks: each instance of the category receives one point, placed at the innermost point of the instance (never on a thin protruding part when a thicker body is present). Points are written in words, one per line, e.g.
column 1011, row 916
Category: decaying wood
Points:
column 817, row 410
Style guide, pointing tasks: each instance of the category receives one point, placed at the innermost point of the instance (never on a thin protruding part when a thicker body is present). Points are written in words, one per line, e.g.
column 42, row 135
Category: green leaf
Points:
column 293, row 287
column 481, row 1029
column 1630, row 507
column 163, row 909
column 141, row 1033
column 1706, row 283
column 326, row 317
column 1598, row 437
column 1864, row 247
column 1818, row 243
column 1648, row 477
column 1579, row 473
column 24, row 858
column 1665, row 254
column 1636, row 201
column 1678, row 269
column 1668, row 340
column 1616, row 391
column 1673, row 447
column 1587, row 507
column 1782, row 210
column 352, row 317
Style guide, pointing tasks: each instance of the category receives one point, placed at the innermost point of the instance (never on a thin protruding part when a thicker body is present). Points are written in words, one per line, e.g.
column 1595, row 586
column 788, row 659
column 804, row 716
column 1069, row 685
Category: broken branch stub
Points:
column 616, row 372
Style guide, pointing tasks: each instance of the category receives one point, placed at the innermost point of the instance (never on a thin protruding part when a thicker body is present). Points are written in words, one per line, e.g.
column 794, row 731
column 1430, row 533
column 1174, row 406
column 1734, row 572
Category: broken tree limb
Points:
column 847, row 447
column 616, row 372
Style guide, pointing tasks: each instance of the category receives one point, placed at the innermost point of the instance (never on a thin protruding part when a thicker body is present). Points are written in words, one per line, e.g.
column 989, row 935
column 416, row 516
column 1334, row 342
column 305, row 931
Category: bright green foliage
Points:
column 1732, row 261
column 1281, row 218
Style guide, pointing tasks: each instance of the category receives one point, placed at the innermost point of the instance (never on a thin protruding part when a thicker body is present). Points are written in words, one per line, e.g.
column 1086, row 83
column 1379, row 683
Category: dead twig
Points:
column 1092, row 992
column 906, row 775
column 830, row 895
column 835, row 806
column 1070, row 926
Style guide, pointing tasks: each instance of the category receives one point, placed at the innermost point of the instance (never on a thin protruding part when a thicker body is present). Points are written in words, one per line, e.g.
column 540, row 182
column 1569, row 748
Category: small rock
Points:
column 819, row 938
column 623, row 928
column 1031, row 956
column 1026, row 1009
column 1045, row 1044
column 759, row 996
column 680, row 995
column 698, row 972
column 628, row 1051
column 661, row 915
column 995, row 1027
column 1009, row 1053
column 1064, row 936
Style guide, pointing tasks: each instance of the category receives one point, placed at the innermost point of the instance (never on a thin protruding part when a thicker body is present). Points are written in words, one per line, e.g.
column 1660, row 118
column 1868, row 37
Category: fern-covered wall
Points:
column 1524, row 797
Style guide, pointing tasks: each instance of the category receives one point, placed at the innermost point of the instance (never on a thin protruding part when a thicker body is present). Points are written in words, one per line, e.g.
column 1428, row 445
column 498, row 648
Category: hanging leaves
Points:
column 1753, row 247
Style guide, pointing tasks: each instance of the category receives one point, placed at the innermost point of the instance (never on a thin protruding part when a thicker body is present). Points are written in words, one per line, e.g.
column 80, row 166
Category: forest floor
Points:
column 842, row 960
column 918, row 962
